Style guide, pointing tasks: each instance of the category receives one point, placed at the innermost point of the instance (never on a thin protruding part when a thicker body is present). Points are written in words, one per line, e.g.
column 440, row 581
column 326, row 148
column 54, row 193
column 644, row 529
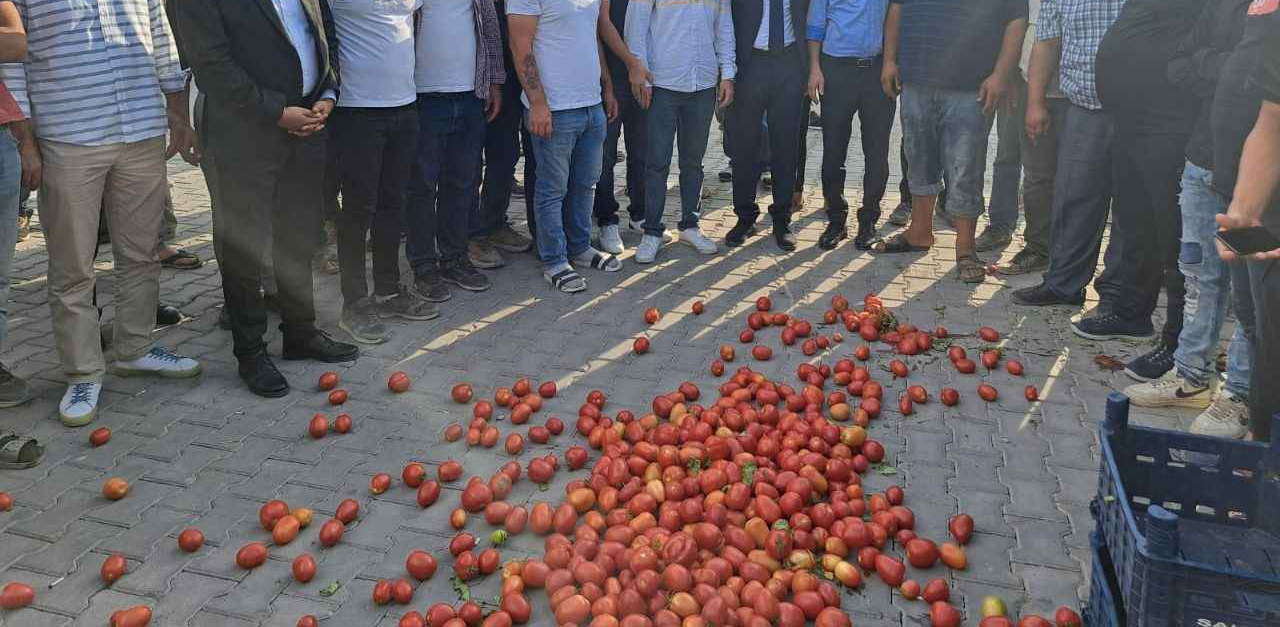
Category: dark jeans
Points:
column 853, row 89
column 1006, row 171
column 1264, row 394
column 672, row 114
column 530, row 174
column 1081, row 201
column 445, row 183
column 631, row 124
column 1147, row 219
column 768, row 84
column 501, row 152
column 1040, row 169
column 376, row 152
column 278, row 180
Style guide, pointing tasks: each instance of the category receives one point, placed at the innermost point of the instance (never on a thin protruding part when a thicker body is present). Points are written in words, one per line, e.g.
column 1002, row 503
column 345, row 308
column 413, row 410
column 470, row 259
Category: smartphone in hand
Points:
column 1249, row 240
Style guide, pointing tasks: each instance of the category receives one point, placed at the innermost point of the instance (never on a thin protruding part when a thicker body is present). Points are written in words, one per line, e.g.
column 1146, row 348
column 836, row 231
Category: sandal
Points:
column 567, row 281
column 601, row 261
column 181, row 259
column 897, row 244
column 969, row 269
column 18, row 452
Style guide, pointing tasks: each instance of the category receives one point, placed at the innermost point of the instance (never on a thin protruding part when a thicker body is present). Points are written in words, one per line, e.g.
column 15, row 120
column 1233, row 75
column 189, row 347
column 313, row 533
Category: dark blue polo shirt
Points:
column 953, row 43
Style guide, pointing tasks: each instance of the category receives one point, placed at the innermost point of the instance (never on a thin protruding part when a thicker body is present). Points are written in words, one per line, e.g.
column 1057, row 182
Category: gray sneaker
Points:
column 14, row 390
column 992, row 238
column 901, row 214
column 508, row 240
column 483, row 254
column 1026, row 261
column 405, row 304
column 362, row 324
column 430, row 286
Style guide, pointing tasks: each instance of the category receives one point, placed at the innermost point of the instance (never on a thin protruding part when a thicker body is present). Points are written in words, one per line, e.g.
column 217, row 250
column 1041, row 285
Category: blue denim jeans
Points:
column 568, row 169
column 10, row 182
column 673, row 114
column 1208, row 280
column 444, row 189
column 945, row 132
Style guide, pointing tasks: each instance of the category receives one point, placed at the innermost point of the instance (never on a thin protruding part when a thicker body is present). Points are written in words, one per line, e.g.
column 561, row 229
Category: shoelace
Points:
column 1164, row 353
column 1221, row 411
column 161, row 354
column 81, row 392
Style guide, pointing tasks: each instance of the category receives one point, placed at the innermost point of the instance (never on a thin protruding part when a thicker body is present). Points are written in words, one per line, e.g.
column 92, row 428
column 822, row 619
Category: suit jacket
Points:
column 747, row 15
column 241, row 56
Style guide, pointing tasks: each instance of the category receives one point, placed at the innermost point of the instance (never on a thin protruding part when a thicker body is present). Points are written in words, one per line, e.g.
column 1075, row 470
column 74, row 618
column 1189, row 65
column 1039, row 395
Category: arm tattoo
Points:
column 531, row 79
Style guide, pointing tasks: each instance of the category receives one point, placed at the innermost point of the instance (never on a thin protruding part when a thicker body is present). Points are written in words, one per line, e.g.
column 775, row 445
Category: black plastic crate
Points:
column 1104, row 608
column 1191, row 523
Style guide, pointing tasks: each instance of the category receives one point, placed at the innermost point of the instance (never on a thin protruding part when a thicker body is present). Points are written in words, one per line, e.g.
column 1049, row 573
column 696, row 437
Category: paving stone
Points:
column 14, row 547
column 127, row 511
column 1030, row 498
column 1078, row 486
column 51, row 524
column 251, row 598
column 62, row 556
column 1049, row 588
column 32, row 617
column 1040, row 543
column 106, row 602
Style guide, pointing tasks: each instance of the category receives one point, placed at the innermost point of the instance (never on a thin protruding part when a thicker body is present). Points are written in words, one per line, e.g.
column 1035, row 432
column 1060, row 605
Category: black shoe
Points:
column 1153, row 365
column 737, row 235
column 833, row 235
column 465, row 276
column 1112, row 327
column 867, row 220
column 1042, row 296
column 784, row 237
column 320, row 347
column 430, row 286
column 167, row 315
column 726, row 176
column 262, row 377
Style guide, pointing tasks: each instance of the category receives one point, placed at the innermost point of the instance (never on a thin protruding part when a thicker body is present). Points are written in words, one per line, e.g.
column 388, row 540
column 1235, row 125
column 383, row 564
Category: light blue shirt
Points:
column 848, row 28
column 687, row 44
column 298, row 26
column 788, row 33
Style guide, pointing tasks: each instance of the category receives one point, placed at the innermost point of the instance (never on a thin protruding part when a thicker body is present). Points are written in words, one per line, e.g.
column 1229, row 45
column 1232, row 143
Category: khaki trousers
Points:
column 125, row 183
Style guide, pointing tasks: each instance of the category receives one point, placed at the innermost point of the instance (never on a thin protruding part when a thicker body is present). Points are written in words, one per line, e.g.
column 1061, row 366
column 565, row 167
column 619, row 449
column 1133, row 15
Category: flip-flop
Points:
column 969, row 269
column 567, row 281
column 896, row 245
column 18, row 452
column 603, row 262
column 182, row 260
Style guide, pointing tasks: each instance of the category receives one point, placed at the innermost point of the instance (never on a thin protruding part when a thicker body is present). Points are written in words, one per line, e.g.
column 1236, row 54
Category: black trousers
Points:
column 501, row 152
column 854, row 89
column 1147, row 219
column 770, row 84
column 262, row 176
column 1264, row 394
column 629, row 124
column 376, row 148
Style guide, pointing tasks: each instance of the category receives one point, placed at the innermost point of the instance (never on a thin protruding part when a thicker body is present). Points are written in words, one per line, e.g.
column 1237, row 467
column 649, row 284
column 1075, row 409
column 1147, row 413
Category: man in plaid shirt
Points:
column 1067, row 40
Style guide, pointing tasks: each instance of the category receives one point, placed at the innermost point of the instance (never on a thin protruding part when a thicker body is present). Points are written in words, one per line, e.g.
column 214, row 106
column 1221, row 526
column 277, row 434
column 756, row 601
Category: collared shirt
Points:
column 848, row 28
column 375, row 51
column 1080, row 24
column 486, row 36
column 687, row 44
column 788, row 33
column 96, row 72
column 298, row 26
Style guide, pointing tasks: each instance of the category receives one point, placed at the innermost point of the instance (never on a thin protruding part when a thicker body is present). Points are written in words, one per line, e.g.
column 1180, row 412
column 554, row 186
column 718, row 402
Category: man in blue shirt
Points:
column 846, row 38
column 952, row 68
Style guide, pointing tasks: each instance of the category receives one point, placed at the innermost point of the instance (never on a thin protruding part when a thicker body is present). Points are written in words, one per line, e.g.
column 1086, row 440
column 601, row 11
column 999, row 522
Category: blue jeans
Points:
column 10, row 182
column 673, row 114
column 1208, row 280
column 444, row 188
column 945, row 132
column 568, row 169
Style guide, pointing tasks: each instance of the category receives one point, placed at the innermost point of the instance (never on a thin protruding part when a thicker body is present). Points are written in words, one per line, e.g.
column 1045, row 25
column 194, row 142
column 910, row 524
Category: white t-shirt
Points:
column 565, row 49
column 446, row 47
column 375, row 51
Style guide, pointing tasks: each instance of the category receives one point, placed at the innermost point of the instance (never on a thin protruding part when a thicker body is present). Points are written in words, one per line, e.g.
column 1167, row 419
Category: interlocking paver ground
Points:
column 206, row 453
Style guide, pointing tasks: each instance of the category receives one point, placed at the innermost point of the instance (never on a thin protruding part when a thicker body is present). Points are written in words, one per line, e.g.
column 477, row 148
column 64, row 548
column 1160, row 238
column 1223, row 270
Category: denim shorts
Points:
column 945, row 134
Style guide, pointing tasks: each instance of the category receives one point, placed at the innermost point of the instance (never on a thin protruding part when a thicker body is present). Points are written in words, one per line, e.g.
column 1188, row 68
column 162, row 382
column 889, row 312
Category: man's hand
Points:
column 540, row 120
column 610, row 104
column 181, row 135
column 1234, row 220
column 300, row 121
column 724, row 96
column 32, row 163
column 817, row 84
column 323, row 107
column 1038, row 119
column 493, row 106
column 993, row 92
column 641, row 80
column 890, row 80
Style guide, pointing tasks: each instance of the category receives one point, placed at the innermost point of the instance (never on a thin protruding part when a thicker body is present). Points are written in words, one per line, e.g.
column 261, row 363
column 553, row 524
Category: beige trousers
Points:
column 126, row 184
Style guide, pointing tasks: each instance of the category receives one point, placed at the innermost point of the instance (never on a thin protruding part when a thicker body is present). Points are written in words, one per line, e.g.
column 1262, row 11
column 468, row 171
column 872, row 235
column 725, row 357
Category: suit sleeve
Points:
column 221, row 77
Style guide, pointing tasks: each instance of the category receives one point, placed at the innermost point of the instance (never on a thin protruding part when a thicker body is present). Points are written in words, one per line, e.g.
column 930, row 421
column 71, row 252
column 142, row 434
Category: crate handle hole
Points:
column 1205, row 510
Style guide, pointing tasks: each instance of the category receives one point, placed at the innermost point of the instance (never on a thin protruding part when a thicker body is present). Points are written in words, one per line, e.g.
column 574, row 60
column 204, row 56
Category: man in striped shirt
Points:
column 102, row 140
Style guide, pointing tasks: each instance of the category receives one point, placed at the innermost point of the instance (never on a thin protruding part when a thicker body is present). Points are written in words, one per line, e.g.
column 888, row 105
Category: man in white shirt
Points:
column 689, row 50
column 559, row 59
column 375, row 131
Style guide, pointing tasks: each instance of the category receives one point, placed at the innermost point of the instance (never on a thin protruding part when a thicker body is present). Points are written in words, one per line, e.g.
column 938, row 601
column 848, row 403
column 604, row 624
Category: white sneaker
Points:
column 1227, row 417
column 159, row 362
column 698, row 241
column 648, row 249
column 611, row 239
column 79, row 404
column 1170, row 391
column 635, row 225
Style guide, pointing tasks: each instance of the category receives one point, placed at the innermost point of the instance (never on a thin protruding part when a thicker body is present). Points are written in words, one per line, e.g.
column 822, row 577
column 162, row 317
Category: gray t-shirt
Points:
column 565, row 49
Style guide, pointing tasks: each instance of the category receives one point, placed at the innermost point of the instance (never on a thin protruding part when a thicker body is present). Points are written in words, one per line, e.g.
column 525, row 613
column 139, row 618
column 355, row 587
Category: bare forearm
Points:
column 815, row 49
column 613, row 39
column 522, row 29
column 606, row 81
column 1011, row 48
column 1044, row 64
column 1259, row 166
column 892, row 21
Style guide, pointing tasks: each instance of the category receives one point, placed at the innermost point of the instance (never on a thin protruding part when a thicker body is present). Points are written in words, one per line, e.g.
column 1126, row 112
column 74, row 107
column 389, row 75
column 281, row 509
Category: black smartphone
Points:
column 1249, row 240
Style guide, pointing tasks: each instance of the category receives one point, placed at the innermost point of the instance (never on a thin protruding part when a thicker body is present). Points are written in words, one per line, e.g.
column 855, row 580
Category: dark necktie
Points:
column 775, row 25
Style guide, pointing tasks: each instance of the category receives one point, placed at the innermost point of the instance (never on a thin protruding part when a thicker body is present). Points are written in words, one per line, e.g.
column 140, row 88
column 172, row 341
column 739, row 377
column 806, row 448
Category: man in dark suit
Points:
column 268, row 72
column 772, row 77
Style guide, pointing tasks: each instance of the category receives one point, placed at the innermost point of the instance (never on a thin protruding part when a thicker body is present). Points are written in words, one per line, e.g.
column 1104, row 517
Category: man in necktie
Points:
column 771, row 80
